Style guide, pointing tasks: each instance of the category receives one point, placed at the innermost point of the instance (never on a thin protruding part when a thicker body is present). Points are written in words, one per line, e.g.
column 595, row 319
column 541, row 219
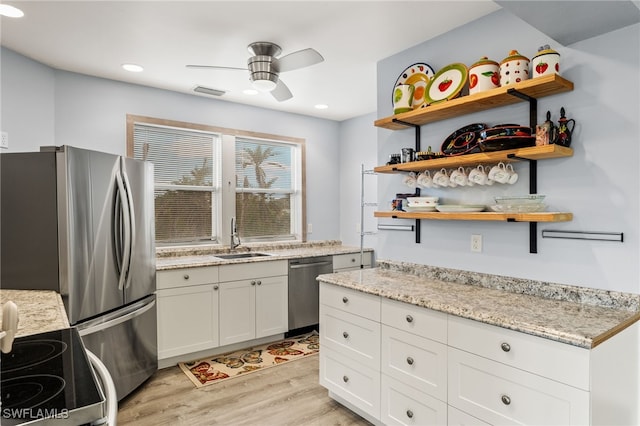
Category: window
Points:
column 192, row 205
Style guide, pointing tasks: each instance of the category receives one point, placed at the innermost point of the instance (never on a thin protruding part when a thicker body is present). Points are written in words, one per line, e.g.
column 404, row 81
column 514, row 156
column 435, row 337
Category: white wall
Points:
column 41, row 106
column 599, row 184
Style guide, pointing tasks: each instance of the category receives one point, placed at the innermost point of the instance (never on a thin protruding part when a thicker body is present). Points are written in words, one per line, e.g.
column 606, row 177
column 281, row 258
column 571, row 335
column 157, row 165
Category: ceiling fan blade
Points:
column 281, row 92
column 216, row 67
column 300, row 59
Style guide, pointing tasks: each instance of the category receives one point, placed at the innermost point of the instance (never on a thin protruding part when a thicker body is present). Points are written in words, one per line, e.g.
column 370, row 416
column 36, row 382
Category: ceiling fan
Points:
column 264, row 67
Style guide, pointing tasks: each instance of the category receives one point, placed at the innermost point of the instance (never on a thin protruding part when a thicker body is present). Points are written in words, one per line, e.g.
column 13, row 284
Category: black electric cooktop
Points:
column 48, row 375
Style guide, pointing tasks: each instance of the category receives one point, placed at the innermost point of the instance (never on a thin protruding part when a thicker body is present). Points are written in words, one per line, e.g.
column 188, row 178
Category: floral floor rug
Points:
column 218, row 368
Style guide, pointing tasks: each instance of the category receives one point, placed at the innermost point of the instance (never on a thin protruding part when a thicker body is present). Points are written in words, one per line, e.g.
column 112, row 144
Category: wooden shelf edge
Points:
column 480, row 216
column 536, row 87
column 529, row 153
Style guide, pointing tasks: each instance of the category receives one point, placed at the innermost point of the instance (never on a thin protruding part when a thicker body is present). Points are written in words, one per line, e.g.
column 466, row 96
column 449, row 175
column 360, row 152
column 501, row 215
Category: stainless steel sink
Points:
column 240, row 255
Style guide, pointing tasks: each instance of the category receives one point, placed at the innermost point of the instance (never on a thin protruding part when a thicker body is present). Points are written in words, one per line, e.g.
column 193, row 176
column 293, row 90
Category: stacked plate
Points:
column 421, row 204
column 519, row 204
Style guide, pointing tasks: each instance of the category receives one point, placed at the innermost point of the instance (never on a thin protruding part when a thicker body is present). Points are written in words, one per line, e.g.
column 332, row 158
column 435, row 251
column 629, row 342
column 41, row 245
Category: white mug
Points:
column 468, row 171
column 499, row 173
column 459, row 177
column 425, row 180
column 441, row 178
column 410, row 180
column 478, row 175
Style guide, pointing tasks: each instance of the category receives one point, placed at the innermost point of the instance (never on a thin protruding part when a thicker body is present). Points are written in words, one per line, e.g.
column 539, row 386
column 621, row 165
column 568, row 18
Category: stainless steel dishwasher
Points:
column 304, row 291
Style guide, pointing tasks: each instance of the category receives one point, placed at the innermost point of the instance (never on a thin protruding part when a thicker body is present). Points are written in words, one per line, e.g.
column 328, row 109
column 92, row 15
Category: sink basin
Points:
column 241, row 255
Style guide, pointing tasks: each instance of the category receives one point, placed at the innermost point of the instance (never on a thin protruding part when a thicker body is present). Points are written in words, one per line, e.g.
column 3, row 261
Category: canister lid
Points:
column 484, row 61
column 514, row 55
column 545, row 50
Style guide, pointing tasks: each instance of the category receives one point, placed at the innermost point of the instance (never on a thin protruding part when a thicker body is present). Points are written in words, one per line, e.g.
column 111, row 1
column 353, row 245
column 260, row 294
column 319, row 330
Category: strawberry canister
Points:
column 484, row 75
column 514, row 68
column 546, row 61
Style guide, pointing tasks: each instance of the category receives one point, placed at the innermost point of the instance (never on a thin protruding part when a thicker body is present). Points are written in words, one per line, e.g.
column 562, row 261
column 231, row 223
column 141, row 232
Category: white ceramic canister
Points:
column 484, row 75
column 546, row 62
column 514, row 68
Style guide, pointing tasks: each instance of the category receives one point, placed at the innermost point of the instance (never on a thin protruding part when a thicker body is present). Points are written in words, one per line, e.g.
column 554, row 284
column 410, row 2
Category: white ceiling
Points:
column 96, row 37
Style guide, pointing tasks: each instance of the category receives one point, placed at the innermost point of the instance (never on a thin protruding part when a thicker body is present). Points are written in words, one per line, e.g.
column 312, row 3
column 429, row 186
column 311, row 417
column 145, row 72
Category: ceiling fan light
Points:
column 265, row 85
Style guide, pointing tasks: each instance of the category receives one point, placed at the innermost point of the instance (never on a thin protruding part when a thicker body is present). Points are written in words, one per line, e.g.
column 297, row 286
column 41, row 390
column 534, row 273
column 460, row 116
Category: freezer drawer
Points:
column 126, row 342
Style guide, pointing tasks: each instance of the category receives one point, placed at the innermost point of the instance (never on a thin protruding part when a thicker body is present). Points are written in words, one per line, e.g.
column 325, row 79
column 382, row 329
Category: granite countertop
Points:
column 578, row 316
column 38, row 310
column 172, row 258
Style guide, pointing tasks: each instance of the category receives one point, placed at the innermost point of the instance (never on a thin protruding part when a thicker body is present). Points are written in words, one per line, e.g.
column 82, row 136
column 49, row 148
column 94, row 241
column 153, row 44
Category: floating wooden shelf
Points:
column 529, row 153
column 536, row 88
column 486, row 216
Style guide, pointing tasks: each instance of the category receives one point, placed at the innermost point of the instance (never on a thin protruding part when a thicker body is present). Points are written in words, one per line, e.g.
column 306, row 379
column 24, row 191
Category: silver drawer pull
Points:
column 345, row 379
column 185, row 276
column 253, row 283
column 505, row 399
column 215, row 287
column 409, row 318
column 410, row 414
column 505, row 347
column 259, row 282
column 345, row 299
column 409, row 360
column 353, row 259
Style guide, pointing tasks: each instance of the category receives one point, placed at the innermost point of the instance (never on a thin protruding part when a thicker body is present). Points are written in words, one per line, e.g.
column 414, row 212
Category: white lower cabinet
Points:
column 255, row 306
column 401, row 364
column 351, row 261
column 187, row 319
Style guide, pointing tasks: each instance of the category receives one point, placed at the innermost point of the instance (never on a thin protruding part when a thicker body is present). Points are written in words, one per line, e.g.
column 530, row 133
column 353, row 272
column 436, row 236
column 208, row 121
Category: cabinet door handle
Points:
column 185, row 276
column 215, row 287
column 505, row 399
column 410, row 360
column 259, row 282
column 353, row 259
column 345, row 334
column 345, row 379
column 410, row 414
column 345, row 299
column 505, row 347
column 253, row 283
column 409, row 318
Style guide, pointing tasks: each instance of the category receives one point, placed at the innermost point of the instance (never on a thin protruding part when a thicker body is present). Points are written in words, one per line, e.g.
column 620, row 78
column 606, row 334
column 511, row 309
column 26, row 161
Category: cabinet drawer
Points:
column 415, row 319
column 186, row 277
column 351, row 260
column 564, row 363
column 499, row 394
column 403, row 405
column 456, row 417
column 351, row 335
column 416, row 361
column 350, row 380
column 352, row 301
column 249, row 270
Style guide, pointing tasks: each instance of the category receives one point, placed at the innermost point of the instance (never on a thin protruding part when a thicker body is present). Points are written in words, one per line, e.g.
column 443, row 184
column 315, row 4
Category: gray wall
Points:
column 42, row 106
column 599, row 184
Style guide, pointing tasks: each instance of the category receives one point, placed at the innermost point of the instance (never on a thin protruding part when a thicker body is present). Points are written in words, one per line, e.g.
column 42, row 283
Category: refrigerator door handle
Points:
column 131, row 225
column 116, row 318
column 127, row 234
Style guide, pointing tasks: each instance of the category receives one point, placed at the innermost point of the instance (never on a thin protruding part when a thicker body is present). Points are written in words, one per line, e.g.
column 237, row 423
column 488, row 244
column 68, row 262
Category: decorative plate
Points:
column 419, row 75
column 463, row 141
column 460, row 208
column 447, row 83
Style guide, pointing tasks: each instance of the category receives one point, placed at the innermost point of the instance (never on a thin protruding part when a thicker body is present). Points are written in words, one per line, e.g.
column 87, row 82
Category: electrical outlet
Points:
column 309, row 228
column 5, row 140
column 476, row 243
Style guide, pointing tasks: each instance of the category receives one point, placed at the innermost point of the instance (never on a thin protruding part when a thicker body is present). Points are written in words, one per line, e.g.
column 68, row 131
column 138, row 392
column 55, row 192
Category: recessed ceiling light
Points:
column 132, row 67
column 250, row 92
column 10, row 11
column 322, row 106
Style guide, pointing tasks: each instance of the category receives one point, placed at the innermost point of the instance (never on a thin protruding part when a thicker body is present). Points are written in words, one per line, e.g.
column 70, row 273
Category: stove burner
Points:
column 31, row 353
column 29, row 392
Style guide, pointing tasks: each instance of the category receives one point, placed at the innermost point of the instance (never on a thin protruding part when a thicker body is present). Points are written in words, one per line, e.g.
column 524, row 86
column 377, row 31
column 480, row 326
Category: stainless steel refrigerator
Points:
column 81, row 222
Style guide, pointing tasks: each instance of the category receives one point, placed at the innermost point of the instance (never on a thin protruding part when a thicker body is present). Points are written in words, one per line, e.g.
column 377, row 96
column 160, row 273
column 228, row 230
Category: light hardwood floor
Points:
column 288, row 394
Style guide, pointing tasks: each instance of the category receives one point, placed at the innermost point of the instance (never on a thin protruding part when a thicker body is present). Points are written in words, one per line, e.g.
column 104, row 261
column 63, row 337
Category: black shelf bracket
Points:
column 417, row 129
column 533, row 164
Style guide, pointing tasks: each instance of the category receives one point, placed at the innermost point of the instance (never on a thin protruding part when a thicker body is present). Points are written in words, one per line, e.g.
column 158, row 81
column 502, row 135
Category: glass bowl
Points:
column 521, row 199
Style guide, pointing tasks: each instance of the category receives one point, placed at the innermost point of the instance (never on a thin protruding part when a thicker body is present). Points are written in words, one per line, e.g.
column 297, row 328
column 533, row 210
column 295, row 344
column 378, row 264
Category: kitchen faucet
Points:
column 235, row 238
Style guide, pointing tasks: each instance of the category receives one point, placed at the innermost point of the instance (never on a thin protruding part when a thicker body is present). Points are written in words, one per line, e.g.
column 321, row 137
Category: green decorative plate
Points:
column 447, row 83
